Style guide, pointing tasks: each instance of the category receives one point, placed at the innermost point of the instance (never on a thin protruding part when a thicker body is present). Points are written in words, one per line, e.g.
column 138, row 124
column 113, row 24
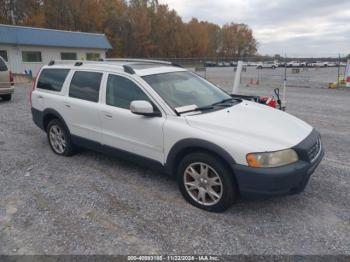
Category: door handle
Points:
column 68, row 106
column 40, row 97
column 108, row 115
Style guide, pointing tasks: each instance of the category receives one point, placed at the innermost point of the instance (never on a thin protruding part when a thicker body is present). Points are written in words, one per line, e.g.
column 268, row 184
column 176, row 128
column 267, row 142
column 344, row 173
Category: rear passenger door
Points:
column 124, row 130
column 81, row 105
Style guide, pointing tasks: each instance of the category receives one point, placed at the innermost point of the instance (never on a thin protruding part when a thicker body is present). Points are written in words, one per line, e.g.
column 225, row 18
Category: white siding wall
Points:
column 14, row 54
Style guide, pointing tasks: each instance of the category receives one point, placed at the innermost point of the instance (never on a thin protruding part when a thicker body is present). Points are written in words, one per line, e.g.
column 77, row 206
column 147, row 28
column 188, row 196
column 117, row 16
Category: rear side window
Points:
column 3, row 66
column 121, row 92
column 52, row 79
column 85, row 86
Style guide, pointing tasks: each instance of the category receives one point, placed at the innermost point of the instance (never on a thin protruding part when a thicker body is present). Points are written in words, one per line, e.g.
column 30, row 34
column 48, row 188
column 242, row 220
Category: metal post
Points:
column 338, row 72
column 284, row 102
column 237, row 78
column 347, row 73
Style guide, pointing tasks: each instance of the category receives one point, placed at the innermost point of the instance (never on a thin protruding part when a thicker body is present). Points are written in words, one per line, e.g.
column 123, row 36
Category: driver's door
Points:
column 124, row 130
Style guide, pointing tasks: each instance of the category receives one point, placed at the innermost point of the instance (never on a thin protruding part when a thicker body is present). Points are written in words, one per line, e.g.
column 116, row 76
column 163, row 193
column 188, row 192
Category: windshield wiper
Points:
column 203, row 108
column 223, row 102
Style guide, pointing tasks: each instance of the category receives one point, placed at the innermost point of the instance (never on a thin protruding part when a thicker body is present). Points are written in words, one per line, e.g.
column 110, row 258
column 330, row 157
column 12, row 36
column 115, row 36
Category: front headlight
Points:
column 272, row 159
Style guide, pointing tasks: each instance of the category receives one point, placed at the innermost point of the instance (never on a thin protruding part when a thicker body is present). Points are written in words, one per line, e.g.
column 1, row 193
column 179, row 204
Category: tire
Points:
column 273, row 67
column 6, row 97
column 259, row 67
column 220, row 197
column 59, row 138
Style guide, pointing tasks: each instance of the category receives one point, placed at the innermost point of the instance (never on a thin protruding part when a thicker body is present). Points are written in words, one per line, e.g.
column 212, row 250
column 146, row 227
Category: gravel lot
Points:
column 95, row 204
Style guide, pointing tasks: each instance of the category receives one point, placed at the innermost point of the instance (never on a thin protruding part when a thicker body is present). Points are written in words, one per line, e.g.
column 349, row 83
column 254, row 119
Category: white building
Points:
column 28, row 48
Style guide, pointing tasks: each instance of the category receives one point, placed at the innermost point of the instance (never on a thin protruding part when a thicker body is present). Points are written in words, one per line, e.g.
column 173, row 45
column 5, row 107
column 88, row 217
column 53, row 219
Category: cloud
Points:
column 307, row 27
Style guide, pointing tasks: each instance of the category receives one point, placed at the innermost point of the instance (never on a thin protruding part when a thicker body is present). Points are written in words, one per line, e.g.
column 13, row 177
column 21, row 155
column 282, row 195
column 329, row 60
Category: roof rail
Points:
column 137, row 60
column 127, row 68
column 70, row 62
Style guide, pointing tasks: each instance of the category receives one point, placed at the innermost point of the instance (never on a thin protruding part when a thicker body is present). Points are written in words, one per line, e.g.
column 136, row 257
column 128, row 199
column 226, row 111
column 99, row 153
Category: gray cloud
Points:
column 299, row 27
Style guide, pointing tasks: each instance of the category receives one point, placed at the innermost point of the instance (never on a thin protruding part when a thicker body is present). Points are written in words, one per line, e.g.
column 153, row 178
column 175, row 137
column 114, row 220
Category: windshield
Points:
column 181, row 89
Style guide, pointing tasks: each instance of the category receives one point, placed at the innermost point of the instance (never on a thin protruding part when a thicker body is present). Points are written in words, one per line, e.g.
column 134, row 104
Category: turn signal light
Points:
column 252, row 161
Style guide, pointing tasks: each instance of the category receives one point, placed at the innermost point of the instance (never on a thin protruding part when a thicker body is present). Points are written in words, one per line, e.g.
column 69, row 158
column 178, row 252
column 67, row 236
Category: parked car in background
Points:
column 165, row 116
column 332, row 64
column 6, row 81
column 210, row 64
column 255, row 64
column 269, row 64
column 227, row 64
column 319, row 64
column 234, row 63
column 296, row 64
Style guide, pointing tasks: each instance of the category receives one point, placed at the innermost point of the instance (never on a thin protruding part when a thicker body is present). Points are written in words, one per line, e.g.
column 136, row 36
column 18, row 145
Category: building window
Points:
column 31, row 56
column 85, row 86
column 93, row 56
column 68, row 56
column 3, row 54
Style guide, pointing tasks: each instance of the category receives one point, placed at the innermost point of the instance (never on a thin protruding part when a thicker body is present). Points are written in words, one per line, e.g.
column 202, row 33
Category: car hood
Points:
column 260, row 127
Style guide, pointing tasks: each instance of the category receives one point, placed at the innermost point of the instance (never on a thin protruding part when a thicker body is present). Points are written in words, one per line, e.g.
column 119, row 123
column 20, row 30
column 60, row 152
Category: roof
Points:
column 141, row 69
column 19, row 35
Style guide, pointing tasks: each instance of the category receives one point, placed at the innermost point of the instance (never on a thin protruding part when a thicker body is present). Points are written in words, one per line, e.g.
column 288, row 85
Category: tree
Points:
column 135, row 28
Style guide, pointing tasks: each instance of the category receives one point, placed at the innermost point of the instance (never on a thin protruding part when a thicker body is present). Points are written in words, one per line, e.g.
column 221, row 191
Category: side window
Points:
column 52, row 79
column 85, row 86
column 121, row 92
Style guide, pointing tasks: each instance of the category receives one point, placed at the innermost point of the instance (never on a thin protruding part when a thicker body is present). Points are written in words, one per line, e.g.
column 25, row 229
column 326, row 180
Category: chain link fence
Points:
column 259, row 71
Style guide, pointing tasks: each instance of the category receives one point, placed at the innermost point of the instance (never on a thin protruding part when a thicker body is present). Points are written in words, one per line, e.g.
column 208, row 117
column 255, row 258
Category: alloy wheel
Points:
column 203, row 184
column 57, row 139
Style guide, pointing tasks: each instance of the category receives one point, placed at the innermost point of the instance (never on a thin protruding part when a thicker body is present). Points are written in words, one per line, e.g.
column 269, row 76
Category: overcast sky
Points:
column 299, row 27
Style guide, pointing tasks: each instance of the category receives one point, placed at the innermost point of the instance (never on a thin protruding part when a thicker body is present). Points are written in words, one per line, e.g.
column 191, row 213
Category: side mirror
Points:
column 144, row 108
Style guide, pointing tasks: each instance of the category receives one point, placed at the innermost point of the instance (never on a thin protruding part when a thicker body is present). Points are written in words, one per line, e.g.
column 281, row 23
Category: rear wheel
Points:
column 6, row 97
column 206, row 182
column 59, row 138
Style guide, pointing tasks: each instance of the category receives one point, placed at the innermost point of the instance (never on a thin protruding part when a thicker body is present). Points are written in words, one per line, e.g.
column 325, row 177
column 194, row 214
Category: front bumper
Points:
column 7, row 90
column 284, row 180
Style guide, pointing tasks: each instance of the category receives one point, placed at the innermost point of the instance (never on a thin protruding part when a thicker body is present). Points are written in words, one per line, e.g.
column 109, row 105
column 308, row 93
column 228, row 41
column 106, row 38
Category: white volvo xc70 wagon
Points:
column 162, row 115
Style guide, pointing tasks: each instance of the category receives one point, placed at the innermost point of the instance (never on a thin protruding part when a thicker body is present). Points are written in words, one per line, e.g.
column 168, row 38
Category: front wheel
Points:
column 6, row 97
column 206, row 182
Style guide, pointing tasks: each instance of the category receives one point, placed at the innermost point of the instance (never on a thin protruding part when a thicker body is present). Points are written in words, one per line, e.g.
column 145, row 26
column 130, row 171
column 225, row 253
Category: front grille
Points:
column 313, row 151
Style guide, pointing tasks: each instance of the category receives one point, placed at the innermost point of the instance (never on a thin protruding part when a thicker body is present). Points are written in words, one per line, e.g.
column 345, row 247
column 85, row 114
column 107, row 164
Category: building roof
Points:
column 19, row 35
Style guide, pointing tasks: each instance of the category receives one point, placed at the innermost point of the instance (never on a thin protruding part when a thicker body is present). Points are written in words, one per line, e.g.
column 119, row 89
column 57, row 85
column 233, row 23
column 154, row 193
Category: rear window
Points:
column 85, row 86
column 52, row 79
column 3, row 66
